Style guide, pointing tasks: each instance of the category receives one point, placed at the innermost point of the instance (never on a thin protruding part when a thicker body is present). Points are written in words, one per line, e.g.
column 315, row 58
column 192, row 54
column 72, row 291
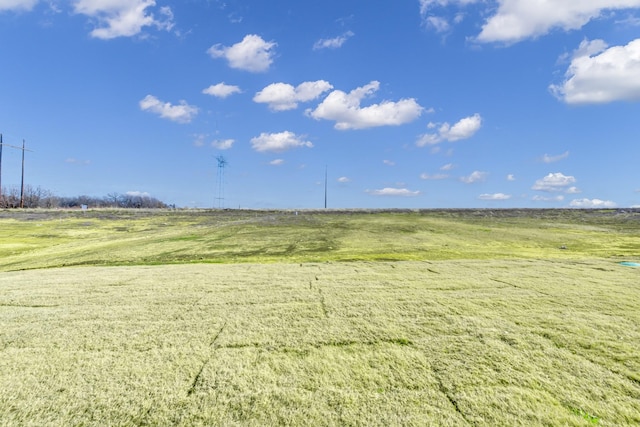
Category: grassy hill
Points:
column 444, row 317
column 40, row 239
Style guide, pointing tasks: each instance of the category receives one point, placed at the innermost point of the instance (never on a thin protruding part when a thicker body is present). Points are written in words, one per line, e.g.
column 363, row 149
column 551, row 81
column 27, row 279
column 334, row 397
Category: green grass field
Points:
column 350, row 318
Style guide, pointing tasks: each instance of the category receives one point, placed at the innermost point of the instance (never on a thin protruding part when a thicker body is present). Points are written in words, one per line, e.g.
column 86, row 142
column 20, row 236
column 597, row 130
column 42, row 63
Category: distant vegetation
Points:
column 38, row 197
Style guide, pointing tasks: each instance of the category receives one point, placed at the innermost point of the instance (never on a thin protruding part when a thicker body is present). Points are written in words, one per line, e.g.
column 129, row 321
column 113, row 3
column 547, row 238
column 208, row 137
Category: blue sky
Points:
column 407, row 104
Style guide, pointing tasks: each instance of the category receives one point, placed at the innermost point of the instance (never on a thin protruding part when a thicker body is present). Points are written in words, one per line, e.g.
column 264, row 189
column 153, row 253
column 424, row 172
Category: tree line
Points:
column 38, row 197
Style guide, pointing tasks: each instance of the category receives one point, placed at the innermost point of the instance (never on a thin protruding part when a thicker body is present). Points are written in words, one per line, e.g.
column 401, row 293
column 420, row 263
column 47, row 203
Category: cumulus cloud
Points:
column 592, row 203
column 278, row 142
column 463, row 129
column 538, row 198
column 251, row 54
column 283, row 96
column 17, row 4
column 396, row 192
column 495, row 196
column 223, row 144
column 123, row 18
column 137, row 194
column 432, row 12
column 343, row 180
column 476, row 176
column 77, row 161
column 552, row 159
column 554, row 182
column 598, row 74
column 516, row 20
column 276, row 162
column 438, row 23
column 434, row 177
column 346, row 111
column 573, row 190
column 181, row 113
column 511, row 177
column 221, row 90
column 333, row 43
column 511, row 21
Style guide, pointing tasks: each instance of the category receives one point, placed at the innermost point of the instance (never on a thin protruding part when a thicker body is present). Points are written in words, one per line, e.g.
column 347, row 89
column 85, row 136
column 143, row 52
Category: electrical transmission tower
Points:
column 222, row 164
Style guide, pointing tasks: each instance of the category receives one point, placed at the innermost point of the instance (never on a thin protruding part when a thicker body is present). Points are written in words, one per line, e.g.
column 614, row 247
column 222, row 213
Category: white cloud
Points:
column 17, row 4
column 463, row 129
column 251, row 54
column 343, row 179
column 511, row 21
column 345, row 110
column 438, row 23
column 396, row 192
column 552, row 159
column 123, row 18
column 475, row 176
column 511, row 177
column 221, row 90
column 389, row 162
column 437, row 176
column 496, row 196
column 278, row 142
column 598, row 74
column 138, row 194
column 276, row 162
column 182, row 113
column 333, row 43
column 447, row 167
column 283, row 96
column 223, row 144
column 538, row 198
column 516, row 20
column 199, row 140
column 554, row 182
column 573, row 190
column 77, row 161
column 592, row 203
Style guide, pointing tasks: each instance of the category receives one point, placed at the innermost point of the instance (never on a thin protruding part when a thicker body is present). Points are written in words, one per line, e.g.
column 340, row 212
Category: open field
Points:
column 263, row 318
column 45, row 239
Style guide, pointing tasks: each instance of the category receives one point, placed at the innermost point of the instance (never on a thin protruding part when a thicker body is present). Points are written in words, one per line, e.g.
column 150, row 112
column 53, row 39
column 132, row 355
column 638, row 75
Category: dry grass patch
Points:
column 525, row 342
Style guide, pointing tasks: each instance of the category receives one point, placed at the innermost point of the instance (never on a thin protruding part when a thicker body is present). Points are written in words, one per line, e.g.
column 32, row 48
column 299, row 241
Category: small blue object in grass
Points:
column 630, row 264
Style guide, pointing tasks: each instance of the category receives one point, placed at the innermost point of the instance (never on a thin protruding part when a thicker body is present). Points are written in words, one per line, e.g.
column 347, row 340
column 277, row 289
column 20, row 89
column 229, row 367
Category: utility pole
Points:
column 22, row 180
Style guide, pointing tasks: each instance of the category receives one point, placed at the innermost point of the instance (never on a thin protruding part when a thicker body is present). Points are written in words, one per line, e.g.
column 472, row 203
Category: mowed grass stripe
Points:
column 492, row 342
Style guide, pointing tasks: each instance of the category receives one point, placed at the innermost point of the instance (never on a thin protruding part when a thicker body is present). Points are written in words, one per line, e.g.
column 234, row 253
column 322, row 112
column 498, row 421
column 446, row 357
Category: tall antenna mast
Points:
column 325, row 186
column 1, row 144
column 222, row 164
column 22, row 179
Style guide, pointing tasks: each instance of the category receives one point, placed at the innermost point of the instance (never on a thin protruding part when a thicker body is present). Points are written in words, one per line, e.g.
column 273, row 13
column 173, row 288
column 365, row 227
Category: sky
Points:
column 394, row 104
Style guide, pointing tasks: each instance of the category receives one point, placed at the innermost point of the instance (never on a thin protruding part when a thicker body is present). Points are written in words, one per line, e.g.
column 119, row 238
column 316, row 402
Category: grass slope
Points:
column 439, row 318
column 43, row 239
column 388, row 343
